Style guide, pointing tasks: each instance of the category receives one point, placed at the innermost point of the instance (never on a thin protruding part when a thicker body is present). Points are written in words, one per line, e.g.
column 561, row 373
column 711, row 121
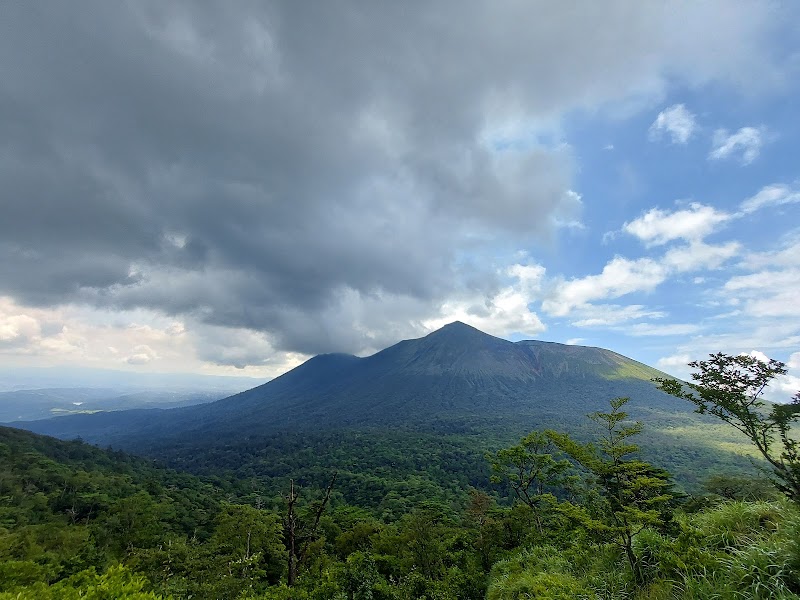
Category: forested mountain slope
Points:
column 415, row 417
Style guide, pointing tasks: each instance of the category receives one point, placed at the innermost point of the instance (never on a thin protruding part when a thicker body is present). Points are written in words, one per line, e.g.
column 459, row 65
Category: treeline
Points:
column 78, row 522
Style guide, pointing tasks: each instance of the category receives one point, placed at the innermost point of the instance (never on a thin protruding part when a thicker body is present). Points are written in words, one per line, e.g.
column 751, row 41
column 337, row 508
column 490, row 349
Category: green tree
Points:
column 634, row 494
column 118, row 583
column 248, row 542
column 423, row 535
column 731, row 388
column 531, row 471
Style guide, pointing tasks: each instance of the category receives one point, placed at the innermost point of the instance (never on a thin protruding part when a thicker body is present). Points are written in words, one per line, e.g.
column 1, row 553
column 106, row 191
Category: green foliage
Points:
column 740, row 487
column 735, row 550
column 78, row 522
column 634, row 494
column 540, row 572
column 731, row 389
column 531, row 471
column 249, row 543
column 117, row 583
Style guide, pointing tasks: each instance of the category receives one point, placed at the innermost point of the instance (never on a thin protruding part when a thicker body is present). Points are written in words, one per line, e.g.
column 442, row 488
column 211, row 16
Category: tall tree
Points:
column 731, row 388
column 531, row 471
column 247, row 541
column 634, row 493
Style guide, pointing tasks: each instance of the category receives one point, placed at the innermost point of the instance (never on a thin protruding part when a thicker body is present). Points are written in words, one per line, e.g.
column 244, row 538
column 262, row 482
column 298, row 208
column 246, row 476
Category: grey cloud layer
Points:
column 287, row 169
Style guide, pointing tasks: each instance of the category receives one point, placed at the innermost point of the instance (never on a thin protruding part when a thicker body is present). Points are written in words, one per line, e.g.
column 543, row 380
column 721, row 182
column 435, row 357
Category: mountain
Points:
column 451, row 376
column 420, row 413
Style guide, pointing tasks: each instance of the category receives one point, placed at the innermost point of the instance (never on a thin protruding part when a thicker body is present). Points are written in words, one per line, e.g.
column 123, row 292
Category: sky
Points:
column 232, row 187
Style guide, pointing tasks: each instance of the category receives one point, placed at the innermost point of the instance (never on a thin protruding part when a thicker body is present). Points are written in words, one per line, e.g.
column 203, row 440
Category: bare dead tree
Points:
column 298, row 537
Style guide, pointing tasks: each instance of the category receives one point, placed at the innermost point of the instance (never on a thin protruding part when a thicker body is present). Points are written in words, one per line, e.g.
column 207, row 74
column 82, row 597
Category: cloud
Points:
column 700, row 346
column 622, row 276
column 745, row 143
column 17, row 330
column 316, row 176
column 776, row 194
column 657, row 227
column 676, row 121
column 764, row 320
column 506, row 312
column 759, row 355
column 619, row 277
column 648, row 329
column 771, row 293
column 785, row 256
column 677, row 365
column 142, row 355
column 604, row 315
column 697, row 256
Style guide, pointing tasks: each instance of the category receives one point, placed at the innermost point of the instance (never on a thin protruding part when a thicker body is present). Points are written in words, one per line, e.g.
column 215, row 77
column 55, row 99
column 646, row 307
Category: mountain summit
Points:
column 454, row 375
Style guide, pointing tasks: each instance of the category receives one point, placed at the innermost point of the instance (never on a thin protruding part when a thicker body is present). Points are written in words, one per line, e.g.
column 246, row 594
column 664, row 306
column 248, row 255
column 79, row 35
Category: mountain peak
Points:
column 457, row 328
column 456, row 324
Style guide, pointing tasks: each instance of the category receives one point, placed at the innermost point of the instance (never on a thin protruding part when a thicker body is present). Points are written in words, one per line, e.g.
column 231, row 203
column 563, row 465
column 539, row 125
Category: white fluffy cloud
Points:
column 776, row 194
column 619, row 277
column 657, row 226
column 506, row 312
column 18, row 329
column 623, row 276
column 676, row 121
column 744, row 144
column 783, row 257
column 141, row 355
column 677, row 365
column 697, row 256
column 137, row 339
column 765, row 321
column 768, row 293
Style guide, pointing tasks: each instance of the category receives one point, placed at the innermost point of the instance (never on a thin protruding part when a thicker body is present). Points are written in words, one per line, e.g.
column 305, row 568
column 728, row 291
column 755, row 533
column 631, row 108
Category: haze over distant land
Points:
column 232, row 189
column 31, row 377
column 39, row 393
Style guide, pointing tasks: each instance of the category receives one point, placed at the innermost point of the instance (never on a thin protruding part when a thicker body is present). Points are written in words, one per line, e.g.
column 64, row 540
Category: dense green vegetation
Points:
column 731, row 389
column 598, row 522
column 455, row 510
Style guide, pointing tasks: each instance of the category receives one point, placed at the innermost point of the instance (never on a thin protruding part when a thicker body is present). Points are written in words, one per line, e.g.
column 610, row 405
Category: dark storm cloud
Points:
column 262, row 165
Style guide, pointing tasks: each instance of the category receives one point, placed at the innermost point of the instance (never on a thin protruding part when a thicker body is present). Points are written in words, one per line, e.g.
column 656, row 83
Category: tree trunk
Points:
column 297, row 545
column 633, row 562
column 291, row 535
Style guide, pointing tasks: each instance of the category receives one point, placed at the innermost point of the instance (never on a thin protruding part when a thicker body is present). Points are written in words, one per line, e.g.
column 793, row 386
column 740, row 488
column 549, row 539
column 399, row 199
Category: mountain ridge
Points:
column 453, row 374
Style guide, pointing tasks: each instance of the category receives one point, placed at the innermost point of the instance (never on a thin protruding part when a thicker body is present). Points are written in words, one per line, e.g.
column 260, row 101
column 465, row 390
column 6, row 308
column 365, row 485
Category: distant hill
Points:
column 432, row 405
